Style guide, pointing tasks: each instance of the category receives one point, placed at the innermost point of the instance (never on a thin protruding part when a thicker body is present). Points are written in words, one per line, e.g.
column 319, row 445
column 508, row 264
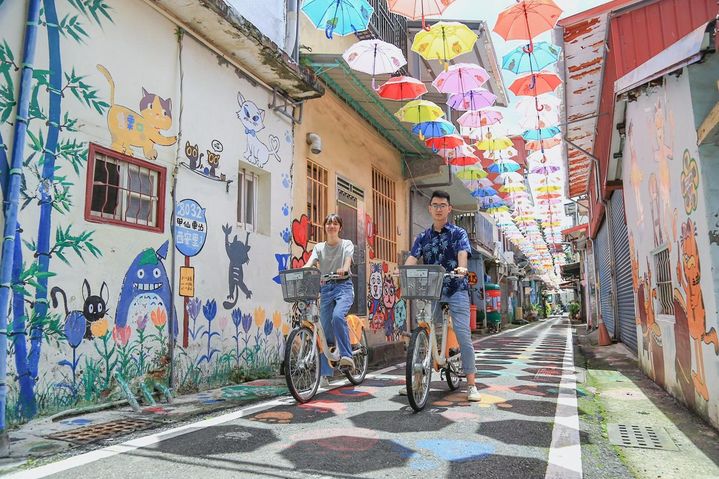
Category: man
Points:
column 448, row 245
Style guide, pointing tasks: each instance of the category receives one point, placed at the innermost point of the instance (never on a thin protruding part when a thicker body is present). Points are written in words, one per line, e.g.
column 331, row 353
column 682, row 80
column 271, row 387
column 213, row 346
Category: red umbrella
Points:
column 402, row 88
column 445, row 142
column 535, row 84
column 465, row 160
column 527, row 19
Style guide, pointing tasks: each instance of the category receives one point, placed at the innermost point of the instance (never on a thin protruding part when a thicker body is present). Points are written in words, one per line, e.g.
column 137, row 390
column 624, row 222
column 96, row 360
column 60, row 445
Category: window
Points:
column 385, row 216
column 664, row 281
column 247, row 187
column 316, row 200
column 123, row 190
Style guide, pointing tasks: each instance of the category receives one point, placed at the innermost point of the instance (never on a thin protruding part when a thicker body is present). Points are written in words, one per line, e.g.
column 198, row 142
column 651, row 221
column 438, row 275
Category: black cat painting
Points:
column 94, row 307
column 237, row 252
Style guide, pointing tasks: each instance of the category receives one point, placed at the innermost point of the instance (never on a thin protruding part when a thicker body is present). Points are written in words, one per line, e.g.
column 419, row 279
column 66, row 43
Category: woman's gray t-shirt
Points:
column 331, row 258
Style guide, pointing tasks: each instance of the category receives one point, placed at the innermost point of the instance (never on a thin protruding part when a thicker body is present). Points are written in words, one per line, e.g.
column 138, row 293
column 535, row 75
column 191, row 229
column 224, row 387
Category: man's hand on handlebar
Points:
column 459, row 270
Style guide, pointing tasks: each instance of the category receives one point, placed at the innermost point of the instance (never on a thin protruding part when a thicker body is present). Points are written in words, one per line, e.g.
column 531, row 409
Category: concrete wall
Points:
column 350, row 149
column 235, row 317
column 270, row 16
column 666, row 206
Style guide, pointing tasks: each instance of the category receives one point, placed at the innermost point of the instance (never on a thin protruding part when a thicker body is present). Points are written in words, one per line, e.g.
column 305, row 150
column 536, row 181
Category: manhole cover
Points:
column 105, row 430
column 649, row 437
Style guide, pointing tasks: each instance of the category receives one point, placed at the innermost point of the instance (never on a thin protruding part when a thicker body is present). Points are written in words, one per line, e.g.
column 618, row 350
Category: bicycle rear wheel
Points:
column 302, row 364
column 361, row 359
column 418, row 370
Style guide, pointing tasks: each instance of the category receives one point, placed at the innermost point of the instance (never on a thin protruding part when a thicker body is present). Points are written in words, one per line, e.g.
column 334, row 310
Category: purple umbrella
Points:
column 472, row 100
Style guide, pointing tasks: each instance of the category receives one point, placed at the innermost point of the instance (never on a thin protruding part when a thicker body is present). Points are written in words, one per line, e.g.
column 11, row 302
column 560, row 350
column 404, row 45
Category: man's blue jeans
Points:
column 335, row 302
column 459, row 309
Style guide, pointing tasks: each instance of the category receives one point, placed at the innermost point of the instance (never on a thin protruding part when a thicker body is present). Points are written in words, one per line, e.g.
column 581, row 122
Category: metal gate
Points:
column 626, row 318
column 603, row 255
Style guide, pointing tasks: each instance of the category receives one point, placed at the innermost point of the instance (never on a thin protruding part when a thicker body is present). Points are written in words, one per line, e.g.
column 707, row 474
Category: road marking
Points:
column 565, row 453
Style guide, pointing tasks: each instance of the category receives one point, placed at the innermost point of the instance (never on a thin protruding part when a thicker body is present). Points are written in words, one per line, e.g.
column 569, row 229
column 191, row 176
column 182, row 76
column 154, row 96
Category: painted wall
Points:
column 666, row 206
column 350, row 148
column 117, row 306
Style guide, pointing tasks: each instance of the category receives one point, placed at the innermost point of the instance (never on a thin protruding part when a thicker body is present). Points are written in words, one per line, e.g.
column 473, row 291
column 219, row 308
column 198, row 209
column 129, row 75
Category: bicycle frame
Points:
column 438, row 355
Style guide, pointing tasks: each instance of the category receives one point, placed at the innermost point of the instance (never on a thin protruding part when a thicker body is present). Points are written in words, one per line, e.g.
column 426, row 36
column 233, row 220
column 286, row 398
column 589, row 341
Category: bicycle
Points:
column 424, row 283
column 307, row 339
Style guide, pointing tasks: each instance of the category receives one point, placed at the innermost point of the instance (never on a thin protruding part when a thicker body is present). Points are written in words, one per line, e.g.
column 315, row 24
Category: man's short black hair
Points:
column 440, row 194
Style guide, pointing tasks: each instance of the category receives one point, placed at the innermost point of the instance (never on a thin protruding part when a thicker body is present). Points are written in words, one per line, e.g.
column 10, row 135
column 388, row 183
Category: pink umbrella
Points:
column 479, row 118
column 545, row 169
column 461, row 78
column 472, row 100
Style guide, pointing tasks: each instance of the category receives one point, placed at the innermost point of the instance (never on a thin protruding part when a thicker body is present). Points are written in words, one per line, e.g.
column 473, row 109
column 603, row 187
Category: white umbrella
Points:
column 374, row 57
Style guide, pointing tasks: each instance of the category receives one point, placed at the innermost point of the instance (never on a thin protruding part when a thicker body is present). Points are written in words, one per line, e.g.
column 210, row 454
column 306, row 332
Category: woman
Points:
column 336, row 296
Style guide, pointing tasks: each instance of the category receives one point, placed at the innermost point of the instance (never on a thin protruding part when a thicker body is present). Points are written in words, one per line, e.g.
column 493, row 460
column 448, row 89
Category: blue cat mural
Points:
column 146, row 289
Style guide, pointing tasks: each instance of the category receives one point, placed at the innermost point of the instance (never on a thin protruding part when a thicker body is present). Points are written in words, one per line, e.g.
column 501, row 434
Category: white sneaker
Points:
column 473, row 394
column 324, row 382
column 402, row 391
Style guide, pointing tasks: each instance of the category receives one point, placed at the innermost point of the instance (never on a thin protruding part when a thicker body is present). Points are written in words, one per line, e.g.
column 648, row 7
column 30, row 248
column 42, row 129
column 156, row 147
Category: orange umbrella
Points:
column 445, row 142
column 527, row 19
column 539, row 144
column 535, row 84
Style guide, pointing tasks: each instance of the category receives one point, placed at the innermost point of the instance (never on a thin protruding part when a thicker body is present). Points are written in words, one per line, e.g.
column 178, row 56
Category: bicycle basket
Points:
column 421, row 281
column 300, row 284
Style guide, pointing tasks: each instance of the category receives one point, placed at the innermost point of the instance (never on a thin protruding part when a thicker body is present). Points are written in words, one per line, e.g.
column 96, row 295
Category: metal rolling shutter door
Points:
column 625, row 288
column 605, row 278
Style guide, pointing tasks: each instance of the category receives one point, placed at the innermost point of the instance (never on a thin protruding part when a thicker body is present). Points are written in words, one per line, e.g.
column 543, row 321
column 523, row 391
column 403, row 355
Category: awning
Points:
column 356, row 90
column 575, row 232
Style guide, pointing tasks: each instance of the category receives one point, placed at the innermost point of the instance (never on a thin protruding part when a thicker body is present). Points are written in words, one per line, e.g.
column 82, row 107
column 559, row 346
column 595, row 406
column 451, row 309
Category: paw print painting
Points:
column 286, row 180
column 286, row 235
column 285, row 210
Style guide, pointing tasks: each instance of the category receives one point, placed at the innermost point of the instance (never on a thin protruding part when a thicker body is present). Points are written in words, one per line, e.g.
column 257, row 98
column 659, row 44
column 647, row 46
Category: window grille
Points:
column 385, row 216
column 316, row 200
column 247, row 188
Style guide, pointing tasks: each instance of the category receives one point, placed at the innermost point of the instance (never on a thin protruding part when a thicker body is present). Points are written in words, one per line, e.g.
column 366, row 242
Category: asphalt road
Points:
column 526, row 426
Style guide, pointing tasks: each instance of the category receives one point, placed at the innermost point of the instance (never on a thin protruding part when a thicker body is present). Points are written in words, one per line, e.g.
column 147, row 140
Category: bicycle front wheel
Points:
column 418, row 369
column 360, row 355
column 302, row 364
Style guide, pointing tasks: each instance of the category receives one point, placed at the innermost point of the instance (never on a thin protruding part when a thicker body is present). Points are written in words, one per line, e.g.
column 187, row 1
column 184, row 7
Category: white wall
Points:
column 269, row 16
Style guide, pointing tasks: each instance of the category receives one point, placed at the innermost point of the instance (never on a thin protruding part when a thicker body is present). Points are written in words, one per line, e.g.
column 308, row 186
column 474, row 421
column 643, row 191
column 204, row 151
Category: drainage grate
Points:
column 105, row 430
column 648, row 437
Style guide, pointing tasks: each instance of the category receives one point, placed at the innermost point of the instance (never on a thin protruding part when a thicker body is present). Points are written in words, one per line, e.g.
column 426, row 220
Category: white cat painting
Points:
column 253, row 118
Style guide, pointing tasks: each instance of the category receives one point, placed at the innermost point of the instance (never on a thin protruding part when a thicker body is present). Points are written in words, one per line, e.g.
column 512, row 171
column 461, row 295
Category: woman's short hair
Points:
column 333, row 218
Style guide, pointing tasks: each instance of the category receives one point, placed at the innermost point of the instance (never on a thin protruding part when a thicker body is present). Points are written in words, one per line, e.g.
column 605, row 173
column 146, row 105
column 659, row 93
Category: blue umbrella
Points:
column 520, row 60
column 541, row 133
column 341, row 17
column 434, row 129
column 506, row 166
column 484, row 192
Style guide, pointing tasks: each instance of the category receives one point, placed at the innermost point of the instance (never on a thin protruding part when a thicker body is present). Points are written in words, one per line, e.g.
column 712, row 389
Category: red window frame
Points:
column 90, row 178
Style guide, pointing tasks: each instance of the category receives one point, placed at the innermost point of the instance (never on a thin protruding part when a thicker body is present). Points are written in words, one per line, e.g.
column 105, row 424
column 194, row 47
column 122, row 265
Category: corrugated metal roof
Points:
column 356, row 90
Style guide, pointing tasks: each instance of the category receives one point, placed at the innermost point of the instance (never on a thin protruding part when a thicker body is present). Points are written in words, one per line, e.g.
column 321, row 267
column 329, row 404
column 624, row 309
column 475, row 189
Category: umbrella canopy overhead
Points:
column 339, row 17
column 541, row 133
column 479, row 118
column 461, row 78
column 535, row 84
column 471, row 173
column 402, row 88
column 494, row 144
column 520, row 60
column 445, row 142
column 542, row 144
column 527, row 19
column 434, row 129
column 506, row 166
column 414, row 9
column 419, row 111
column 444, row 41
column 472, row 100
column 374, row 57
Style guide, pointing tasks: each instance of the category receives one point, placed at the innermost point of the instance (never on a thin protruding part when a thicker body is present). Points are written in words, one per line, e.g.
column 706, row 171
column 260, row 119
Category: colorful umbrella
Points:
column 341, row 17
column 505, row 166
column 548, row 188
column 545, row 169
column 472, row 100
column 419, row 111
column 549, row 154
column 402, row 88
column 540, row 144
column 462, row 160
column 492, row 200
column 535, row 84
column 462, row 150
column 374, row 57
column 483, row 192
column 479, row 118
column 527, row 19
column 444, row 41
column 512, row 188
column 546, row 103
column 509, row 177
column 433, row 129
column 471, row 173
column 414, row 10
column 541, row 134
column 520, row 60
column 548, row 196
column 539, row 119
column 494, row 144
column 461, row 78
column 444, row 142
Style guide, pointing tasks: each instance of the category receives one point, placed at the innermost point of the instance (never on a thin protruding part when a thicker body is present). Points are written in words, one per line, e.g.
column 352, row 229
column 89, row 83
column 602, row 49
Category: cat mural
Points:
column 253, row 118
column 146, row 290
column 237, row 252
column 93, row 312
column 130, row 129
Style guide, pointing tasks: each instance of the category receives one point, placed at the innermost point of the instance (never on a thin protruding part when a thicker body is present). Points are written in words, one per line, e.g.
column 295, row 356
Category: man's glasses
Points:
column 439, row 206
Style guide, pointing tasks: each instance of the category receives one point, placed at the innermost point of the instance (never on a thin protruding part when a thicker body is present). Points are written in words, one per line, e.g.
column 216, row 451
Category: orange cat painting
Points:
column 692, row 303
column 130, row 129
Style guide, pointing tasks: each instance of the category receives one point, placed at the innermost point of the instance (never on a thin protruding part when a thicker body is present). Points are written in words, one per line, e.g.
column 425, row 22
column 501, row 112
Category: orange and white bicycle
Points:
column 307, row 340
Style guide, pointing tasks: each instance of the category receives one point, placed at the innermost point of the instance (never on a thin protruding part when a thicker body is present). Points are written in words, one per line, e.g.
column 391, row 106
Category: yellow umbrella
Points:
column 496, row 209
column 471, row 173
column 444, row 41
column 512, row 188
column 548, row 188
column 494, row 144
column 419, row 111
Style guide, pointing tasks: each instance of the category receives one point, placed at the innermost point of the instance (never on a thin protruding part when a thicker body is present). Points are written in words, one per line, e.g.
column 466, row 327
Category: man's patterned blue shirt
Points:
column 442, row 248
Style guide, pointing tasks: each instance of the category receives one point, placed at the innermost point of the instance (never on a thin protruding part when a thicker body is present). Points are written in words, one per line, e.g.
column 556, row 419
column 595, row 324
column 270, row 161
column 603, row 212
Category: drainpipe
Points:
column 13, row 196
column 292, row 36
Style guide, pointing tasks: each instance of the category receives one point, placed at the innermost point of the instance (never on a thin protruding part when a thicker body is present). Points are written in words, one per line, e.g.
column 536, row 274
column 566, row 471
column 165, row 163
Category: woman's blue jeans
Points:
column 336, row 299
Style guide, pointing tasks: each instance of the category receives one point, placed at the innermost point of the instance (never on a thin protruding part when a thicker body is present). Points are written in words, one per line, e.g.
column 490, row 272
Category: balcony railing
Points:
column 386, row 26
